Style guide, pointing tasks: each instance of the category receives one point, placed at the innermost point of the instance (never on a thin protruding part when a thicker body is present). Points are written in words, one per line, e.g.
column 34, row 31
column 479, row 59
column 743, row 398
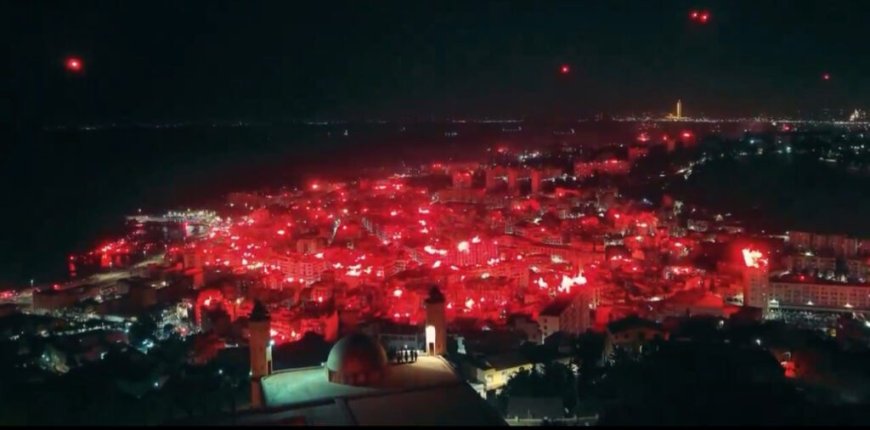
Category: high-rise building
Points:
column 756, row 276
column 571, row 314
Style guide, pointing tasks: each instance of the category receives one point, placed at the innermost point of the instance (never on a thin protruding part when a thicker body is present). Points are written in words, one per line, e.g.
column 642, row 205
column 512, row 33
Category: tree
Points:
column 590, row 351
column 698, row 384
column 556, row 380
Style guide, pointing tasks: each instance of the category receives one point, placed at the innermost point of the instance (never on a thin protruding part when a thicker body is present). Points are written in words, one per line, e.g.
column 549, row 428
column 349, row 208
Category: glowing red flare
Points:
column 565, row 69
column 699, row 16
column 74, row 64
column 753, row 258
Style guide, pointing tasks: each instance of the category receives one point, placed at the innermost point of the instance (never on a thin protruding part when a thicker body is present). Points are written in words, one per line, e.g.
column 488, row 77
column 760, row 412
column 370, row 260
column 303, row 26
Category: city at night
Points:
column 449, row 213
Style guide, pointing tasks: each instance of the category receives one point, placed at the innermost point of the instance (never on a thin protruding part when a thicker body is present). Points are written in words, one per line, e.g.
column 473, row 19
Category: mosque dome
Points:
column 356, row 359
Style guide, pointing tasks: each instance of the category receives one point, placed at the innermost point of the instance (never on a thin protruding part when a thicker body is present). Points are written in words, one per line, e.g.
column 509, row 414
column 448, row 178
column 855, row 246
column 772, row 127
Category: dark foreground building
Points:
column 358, row 386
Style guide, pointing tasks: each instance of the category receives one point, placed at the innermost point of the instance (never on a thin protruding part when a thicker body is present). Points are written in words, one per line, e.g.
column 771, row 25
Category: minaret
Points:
column 260, row 344
column 679, row 108
column 436, row 323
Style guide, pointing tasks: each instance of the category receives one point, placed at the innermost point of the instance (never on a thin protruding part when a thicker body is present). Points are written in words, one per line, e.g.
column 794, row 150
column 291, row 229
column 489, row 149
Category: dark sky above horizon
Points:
column 402, row 59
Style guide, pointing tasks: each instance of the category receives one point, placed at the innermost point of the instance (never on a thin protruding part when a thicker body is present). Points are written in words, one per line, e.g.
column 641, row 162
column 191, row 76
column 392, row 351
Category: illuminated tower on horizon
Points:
column 679, row 113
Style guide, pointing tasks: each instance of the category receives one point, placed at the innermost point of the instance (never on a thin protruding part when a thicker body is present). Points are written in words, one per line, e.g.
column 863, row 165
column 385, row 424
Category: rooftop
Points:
column 557, row 306
column 632, row 322
column 503, row 361
column 310, row 384
column 806, row 279
column 426, row 392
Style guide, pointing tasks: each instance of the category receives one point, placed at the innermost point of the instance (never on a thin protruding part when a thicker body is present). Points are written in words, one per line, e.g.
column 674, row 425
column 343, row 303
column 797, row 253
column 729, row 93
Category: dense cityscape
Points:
column 457, row 214
column 529, row 276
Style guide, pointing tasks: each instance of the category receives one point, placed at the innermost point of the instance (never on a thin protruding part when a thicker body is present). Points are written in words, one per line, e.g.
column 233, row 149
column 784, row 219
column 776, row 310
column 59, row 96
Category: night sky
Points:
column 180, row 60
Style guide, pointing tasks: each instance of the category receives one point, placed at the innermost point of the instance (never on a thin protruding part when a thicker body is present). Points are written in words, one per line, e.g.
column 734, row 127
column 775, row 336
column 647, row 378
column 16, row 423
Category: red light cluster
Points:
column 643, row 137
column 73, row 64
column 700, row 16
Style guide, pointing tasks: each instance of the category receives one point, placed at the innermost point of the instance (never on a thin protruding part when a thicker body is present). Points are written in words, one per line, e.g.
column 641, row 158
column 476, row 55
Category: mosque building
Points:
column 358, row 385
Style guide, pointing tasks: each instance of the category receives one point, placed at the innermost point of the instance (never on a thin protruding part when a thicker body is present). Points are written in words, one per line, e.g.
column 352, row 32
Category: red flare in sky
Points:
column 74, row 64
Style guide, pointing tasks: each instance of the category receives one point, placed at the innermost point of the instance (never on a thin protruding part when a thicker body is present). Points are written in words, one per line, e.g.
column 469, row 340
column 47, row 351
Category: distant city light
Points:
column 565, row 69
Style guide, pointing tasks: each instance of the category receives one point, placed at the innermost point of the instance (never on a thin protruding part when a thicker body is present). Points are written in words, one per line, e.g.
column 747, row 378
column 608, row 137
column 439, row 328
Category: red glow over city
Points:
column 483, row 273
column 470, row 232
column 372, row 250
